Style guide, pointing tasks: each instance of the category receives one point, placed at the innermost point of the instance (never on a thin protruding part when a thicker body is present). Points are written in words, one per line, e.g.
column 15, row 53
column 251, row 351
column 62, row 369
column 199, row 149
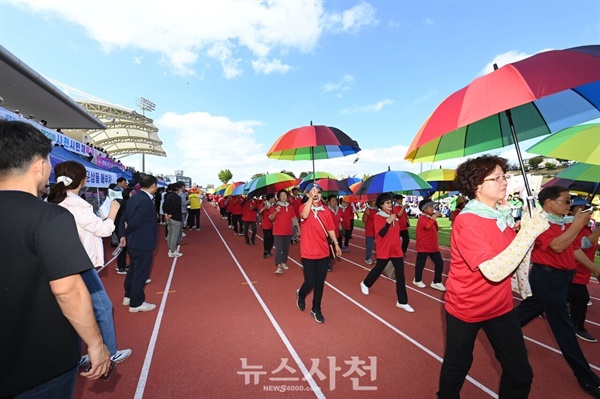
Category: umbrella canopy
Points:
column 579, row 143
column 581, row 171
column 311, row 177
column 221, row 189
column 572, row 185
column 313, row 142
column 544, row 93
column 270, row 184
column 438, row 175
column 333, row 186
column 351, row 180
column 231, row 187
column 392, row 181
column 240, row 190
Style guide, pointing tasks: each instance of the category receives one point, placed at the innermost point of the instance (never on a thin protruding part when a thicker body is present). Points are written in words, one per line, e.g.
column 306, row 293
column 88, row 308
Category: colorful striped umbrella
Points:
column 270, row 184
column 333, row 186
column 579, row 143
column 581, row 171
column 231, row 187
column 392, row 181
column 221, row 189
column 351, row 180
column 311, row 177
column 240, row 190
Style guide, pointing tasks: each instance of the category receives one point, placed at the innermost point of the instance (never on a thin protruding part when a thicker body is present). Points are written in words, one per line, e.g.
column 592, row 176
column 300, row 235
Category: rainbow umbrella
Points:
column 581, row 171
column 333, row 186
column 240, row 190
column 351, row 180
column 392, row 181
column 270, row 184
column 579, row 143
column 231, row 187
column 311, row 177
column 221, row 189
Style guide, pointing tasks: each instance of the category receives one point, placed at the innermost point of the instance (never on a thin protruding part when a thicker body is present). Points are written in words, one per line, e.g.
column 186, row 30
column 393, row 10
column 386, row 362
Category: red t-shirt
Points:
column 369, row 227
column 402, row 219
column 266, row 222
column 387, row 246
column 314, row 243
column 336, row 217
column 427, row 234
column 347, row 215
column 469, row 295
column 249, row 211
column 544, row 255
column 221, row 202
column 229, row 205
column 296, row 204
column 583, row 274
column 236, row 208
column 282, row 224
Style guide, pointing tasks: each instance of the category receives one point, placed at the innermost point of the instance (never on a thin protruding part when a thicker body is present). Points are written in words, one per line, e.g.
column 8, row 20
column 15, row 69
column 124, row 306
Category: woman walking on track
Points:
column 485, row 251
column 387, row 240
column 249, row 216
column 368, row 217
column 283, row 219
column 314, row 250
column 427, row 245
column 267, row 225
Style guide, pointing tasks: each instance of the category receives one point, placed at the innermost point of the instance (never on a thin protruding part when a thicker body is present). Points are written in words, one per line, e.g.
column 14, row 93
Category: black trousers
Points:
column 122, row 259
column 398, row 264
column 135, row 281
column 405, row 240
column 315, row 272
column 578, row 296
column 549, row 287
column 268, row 240
column 236, row 220
column 246, row 225
column 506, row 338
column 436, row 257
column 194, row 218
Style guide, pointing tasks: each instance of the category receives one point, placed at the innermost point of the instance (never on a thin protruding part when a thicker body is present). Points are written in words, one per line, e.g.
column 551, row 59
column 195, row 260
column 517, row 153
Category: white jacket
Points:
column 89, row 227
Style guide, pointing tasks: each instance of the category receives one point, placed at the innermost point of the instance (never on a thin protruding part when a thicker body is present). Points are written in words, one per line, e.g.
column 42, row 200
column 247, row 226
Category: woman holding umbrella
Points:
column 387, row 241
column 317, row 225
column 485, row 251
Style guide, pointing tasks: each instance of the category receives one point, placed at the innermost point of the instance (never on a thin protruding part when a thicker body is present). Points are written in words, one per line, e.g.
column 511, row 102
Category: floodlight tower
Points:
column 145, row 105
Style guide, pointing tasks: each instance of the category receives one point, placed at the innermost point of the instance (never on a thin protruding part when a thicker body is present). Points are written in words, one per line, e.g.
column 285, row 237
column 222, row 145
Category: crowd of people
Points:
column 547, row 256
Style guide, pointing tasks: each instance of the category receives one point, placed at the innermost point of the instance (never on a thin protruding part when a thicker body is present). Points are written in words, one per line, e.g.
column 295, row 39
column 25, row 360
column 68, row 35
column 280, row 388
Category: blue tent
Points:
column 122, row 173
column 96, row 176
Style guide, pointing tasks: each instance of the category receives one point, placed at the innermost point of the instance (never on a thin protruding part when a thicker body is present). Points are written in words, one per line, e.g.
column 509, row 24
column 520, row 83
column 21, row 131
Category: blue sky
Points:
column 230, row 77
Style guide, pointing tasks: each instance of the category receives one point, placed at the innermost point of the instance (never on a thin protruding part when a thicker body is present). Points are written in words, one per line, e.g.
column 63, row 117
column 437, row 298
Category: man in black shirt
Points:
column 173, row 218
column 44, row 303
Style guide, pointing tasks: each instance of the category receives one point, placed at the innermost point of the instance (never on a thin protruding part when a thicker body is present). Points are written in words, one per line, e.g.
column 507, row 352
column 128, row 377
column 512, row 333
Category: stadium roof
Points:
column 25, row 90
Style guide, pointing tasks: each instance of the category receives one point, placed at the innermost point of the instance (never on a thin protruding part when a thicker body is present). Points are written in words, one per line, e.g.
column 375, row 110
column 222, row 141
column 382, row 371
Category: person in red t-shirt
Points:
column 427, row 245
column 347, row 216
column 249, row 213
column 229, row 210
column 267, row 225
column 314, row 250
column 367, row 218
column 296, row 200
column 284, row 218
column 400, row 211
column 553, row 265
column 485, row 251
column 460, row 204
column 578, row 294
column 236, row 215
column 336, row 216
column 387, row 239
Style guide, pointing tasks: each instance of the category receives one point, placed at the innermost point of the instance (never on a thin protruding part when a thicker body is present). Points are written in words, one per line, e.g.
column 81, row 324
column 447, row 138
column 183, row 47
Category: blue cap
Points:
column 310, row 187
column 578, row 201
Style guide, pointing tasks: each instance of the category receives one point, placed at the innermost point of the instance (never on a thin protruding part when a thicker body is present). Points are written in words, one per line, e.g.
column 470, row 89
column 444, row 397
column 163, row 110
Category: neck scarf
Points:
column 283, row 204
column 385, row 215
column 316, row 209
column 334, row 210
column 344, row 208
column 559, row 220
column 502, row 216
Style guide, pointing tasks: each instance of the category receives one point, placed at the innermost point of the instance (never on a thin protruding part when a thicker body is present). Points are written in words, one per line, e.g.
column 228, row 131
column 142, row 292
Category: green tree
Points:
column 225, row 175
column 550, row 165
column 535, row 162
column 366, row 176
column 287, row 172
column 254, row 176
column 563, row 162
column 303, row 175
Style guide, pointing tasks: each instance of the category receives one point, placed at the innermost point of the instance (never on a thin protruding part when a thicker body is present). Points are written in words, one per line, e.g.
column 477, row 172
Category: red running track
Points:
column 221, row 303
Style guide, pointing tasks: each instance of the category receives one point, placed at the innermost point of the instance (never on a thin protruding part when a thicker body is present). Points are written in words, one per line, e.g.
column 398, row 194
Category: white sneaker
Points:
column 286, row 267
column 126, row 301
column 419, row 284
column 438, row 286
column 144, row 307
column 279, row 270
column 405, row 306
column 174, row 254
column 368, row 261
column 183, row 234
column 148, row 280
column 364, row 289
column 121, row 355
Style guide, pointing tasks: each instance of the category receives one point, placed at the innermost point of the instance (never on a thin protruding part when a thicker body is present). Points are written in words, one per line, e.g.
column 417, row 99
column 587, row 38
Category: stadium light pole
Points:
column 145, row 105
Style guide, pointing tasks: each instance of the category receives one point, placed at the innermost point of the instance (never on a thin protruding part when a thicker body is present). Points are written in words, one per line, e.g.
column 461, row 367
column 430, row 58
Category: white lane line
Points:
column 307, row 376
column 141, row 386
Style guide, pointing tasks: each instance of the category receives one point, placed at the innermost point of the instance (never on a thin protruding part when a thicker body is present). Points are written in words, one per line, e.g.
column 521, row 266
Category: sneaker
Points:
column 318, row 316
column 148, row 280
column 126, row 301
column 84, row 360
column 198, row 229
column 586, row 336
column 121, row 355
column 368, row 261
column 300, row 302
column 286, row 267
column 279, row 270
column 330, row 268
column 345, row 249
column 405, row 306
column 592, row 389
column 419, row 284
column 363, row 288
column 438, row 286
column 144, row 307
column 183, row 234
column 253, row 243
column 589, row 303
column 174, row 254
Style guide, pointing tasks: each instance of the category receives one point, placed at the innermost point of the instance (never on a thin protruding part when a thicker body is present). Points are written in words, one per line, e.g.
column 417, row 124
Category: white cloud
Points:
column 181, row 32
column 269, row 66
column 429, row 22
column 378, row 106
column 503, row 59
column 338, row 87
